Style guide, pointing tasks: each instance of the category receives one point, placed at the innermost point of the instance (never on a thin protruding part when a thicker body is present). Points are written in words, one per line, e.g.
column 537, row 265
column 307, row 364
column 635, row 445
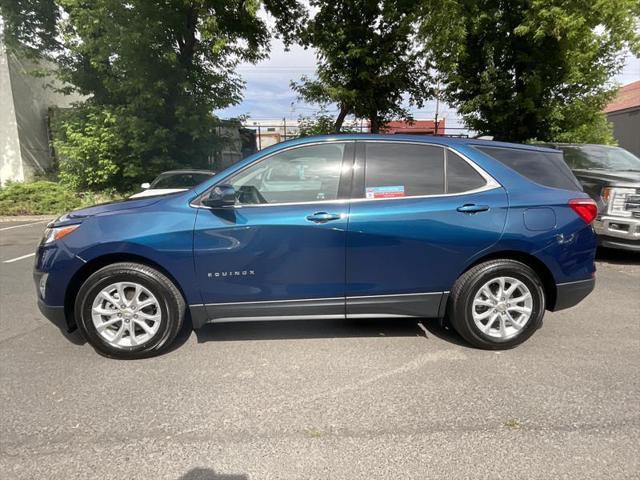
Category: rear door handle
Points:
column 322, row 217
column 472, row 208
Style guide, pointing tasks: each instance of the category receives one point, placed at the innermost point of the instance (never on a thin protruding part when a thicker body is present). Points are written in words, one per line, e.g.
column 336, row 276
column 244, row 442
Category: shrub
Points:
column 88, row 143
column 44, row 197
column 117, row 147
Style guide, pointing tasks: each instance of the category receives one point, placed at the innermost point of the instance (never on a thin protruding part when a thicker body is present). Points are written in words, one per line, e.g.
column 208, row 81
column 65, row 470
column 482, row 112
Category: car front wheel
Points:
column 497, row 304
column 129, row 310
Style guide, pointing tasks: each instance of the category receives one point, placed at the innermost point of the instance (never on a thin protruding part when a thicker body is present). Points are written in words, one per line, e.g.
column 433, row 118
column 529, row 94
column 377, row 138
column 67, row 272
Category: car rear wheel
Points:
column 497, row 304
column 129, row 310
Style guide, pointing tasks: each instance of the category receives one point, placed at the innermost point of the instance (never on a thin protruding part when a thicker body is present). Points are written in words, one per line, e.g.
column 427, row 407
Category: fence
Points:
column 270, row 134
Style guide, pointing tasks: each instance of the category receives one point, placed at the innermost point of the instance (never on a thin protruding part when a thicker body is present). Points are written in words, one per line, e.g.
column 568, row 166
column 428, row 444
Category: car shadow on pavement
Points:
column 208, row 474
column 617, row 257
column 427, row 328
column 329, row 328
column 74, row 336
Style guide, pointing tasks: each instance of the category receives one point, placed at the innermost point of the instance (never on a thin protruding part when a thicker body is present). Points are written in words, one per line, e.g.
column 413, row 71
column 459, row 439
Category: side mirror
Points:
column 221, row 196
column 145, row 186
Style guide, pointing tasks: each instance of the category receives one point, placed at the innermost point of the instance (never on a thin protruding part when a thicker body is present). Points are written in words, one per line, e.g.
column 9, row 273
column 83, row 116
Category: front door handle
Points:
column 322, row 217
column 472, row 208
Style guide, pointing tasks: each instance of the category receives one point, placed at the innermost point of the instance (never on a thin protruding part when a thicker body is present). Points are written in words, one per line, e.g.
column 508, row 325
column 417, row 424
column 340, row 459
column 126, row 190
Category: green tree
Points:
column 368, row 63
column 530, row 69
column 320, row 123
column 30, row 25
column 153, row 71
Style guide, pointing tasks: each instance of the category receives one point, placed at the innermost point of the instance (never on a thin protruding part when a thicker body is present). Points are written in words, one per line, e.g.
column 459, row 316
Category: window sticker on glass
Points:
column 385, row 192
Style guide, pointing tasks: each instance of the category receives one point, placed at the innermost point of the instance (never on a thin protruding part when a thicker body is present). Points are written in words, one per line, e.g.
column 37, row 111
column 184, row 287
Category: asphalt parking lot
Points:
column 323, row 399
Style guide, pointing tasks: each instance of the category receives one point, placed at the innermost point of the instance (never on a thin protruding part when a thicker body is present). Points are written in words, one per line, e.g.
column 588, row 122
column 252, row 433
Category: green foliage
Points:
column 320, row 123
column 368, row 62
column 43, row 197
column 30, row 25
column 530, row 68
column 91, row 148
column 582, row 121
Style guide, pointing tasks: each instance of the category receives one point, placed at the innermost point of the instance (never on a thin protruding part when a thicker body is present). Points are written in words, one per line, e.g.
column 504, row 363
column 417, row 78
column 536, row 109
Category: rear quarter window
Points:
column 544, row 168
column 461, row 177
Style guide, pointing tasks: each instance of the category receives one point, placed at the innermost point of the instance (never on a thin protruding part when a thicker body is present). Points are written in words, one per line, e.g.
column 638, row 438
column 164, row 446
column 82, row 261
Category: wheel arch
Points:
column 543, row 272
column 96, row 264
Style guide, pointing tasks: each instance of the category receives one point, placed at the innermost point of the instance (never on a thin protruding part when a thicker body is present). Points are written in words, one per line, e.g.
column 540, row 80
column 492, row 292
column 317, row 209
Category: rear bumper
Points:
column 619, row 243
column 618, row 232
column 570, row 294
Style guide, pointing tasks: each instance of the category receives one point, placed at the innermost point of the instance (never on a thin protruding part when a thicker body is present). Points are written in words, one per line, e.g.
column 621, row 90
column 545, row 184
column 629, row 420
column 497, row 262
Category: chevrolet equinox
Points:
column 487, row 235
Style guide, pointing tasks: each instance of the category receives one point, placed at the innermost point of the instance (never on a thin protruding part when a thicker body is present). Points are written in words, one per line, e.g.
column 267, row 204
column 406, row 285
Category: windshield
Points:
column 179, row 180
column 591, row 157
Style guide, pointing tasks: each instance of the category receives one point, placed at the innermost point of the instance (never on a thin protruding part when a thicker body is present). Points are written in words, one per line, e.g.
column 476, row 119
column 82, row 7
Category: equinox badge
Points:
column 236, row 273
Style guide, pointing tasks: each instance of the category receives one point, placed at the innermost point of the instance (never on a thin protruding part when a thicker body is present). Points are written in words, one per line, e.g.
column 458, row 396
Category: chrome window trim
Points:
column 491, row 183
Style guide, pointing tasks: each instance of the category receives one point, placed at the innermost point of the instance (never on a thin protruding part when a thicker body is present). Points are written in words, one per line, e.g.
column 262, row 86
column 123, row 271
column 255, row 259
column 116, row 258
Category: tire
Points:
column 511, row 327
column 153, row 315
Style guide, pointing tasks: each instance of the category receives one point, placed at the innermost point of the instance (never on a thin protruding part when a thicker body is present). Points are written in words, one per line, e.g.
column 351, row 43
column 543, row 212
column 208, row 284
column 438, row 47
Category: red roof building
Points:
column 624, row 113
column 417, row 127
column 628, row 97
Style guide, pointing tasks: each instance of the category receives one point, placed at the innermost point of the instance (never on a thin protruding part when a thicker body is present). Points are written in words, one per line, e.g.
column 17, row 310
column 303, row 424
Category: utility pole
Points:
column 437, row 106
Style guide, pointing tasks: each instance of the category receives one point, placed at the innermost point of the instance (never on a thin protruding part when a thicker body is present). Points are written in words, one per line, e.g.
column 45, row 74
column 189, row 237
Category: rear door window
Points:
column 403, row 170
column 545, row 168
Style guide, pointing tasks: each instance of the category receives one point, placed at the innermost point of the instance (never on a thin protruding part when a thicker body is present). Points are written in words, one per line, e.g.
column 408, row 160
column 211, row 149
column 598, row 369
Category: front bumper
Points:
column 618, row 232
column 55, row 315
column 570, row 294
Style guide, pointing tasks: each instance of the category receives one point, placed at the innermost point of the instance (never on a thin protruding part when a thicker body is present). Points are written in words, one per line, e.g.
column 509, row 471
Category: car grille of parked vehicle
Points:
column 624, row 202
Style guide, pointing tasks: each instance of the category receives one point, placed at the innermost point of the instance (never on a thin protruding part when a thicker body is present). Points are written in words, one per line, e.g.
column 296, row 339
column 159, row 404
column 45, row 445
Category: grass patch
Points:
column 513, row 423
column 44, row 197
column 313, row 433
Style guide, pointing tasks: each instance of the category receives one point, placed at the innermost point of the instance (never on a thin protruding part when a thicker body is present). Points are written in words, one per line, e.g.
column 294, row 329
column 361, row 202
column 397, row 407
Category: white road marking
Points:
column 424, row 329
column 20, row 258
column 23, row 225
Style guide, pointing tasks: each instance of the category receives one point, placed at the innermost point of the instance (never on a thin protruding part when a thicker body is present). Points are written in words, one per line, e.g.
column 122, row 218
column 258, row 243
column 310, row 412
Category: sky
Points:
column 268, row 94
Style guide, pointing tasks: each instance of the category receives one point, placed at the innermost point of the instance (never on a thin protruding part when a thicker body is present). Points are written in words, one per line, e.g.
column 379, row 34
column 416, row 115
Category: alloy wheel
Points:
column 502, row 307
column 126, row 314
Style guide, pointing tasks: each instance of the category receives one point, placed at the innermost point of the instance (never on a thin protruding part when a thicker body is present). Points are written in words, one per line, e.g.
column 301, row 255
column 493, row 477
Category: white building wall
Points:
column 10, row 155
column 24, row 103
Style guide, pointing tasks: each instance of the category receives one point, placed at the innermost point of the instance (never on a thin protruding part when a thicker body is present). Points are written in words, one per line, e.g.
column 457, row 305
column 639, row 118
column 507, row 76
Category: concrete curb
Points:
column 26, row 218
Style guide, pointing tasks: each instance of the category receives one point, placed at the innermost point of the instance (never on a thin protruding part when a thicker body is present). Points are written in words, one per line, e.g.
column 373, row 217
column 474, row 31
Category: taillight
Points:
column 586, row 208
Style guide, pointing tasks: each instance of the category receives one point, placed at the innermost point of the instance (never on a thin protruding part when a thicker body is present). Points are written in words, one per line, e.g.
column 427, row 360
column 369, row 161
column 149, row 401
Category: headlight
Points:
column 616, row 200
column 52, row 234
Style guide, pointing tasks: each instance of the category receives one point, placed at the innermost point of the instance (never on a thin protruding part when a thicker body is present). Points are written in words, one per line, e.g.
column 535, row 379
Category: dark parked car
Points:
column 488, row 234
column 611, row 175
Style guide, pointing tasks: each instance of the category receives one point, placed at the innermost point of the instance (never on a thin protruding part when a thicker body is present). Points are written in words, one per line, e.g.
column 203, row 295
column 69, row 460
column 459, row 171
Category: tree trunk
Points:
column 344, row 111
column 374, row 123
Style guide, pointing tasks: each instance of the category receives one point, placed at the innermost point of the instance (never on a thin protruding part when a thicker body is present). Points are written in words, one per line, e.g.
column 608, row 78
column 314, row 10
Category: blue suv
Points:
column 485, row 234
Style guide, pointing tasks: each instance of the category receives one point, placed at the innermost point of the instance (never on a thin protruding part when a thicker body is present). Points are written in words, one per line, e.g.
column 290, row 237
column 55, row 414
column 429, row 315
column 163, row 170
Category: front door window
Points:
column 299, row 175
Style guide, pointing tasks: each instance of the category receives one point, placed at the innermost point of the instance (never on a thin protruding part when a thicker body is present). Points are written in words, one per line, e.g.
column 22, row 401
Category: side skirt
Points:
column 374, row 306
column 403, row 305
